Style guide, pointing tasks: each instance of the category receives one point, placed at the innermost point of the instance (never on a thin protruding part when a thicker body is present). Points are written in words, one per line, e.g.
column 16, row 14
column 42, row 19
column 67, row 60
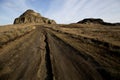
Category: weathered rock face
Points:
column 31, row 16
column 91, row 20
column 97, row 21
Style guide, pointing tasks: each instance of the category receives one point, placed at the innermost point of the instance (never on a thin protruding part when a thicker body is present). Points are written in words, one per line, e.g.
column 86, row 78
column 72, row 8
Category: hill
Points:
column 97, row 21
column 31, row 16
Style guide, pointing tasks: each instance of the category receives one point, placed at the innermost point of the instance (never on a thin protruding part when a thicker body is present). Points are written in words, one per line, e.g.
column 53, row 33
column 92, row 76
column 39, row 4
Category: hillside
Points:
column 43, row 51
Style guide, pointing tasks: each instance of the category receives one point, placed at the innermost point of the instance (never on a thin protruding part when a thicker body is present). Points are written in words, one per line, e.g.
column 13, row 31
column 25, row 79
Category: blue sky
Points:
column 62, row 11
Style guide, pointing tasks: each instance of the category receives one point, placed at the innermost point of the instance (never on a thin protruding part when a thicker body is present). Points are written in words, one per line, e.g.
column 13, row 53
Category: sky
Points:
column 62, row 11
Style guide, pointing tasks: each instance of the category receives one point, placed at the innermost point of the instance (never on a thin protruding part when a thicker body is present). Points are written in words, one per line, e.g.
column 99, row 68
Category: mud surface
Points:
column 61, row 53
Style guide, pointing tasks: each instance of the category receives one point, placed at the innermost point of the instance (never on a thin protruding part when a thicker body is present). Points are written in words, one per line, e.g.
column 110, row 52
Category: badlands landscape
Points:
column 37, row 48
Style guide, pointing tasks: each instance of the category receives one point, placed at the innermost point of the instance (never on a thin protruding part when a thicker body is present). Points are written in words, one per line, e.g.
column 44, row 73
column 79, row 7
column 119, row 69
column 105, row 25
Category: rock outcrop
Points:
column 31, row 16
column 97, row 21
column 91, row 20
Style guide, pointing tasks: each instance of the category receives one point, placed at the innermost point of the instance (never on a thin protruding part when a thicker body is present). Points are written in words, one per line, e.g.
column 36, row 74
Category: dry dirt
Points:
column 61, row 52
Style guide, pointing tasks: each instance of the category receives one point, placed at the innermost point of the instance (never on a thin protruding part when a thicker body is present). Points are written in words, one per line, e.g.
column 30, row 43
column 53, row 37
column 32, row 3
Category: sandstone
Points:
column 91, row 20
column 97, row 21
column 31, row 16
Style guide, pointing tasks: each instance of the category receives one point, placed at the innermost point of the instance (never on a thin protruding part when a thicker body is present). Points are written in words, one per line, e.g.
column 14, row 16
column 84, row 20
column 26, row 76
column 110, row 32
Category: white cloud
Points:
column 64, row 11
column 12, row 9
column 74, row 10
column 18, row 5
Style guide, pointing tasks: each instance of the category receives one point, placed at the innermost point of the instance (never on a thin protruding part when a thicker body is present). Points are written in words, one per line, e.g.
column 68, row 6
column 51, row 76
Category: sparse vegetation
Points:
column 12, row 32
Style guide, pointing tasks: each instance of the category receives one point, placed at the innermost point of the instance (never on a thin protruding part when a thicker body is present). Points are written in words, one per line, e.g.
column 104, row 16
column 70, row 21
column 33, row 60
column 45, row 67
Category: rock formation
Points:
column 31, row 16
column 91, row 20
column 97, row 21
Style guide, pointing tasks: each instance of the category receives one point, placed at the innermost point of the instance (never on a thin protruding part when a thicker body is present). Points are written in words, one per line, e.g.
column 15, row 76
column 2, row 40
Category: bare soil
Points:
column 60, row 52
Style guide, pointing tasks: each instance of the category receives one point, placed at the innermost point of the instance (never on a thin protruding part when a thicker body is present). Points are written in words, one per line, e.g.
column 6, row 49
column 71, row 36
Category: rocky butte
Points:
column 31, row 16
column 97, row 21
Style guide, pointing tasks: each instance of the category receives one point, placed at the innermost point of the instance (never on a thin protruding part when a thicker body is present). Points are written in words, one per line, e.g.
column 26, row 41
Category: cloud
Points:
column 74, row 10
column 10, row 9
column 63, row 11
column 14, row 5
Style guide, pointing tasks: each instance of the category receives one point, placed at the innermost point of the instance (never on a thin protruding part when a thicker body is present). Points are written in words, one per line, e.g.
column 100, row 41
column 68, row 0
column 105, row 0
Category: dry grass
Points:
column 109, row 34
column 11, row 32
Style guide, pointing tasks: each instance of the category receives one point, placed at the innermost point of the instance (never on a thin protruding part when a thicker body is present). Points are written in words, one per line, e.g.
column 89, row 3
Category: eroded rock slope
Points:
column 31, row 16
